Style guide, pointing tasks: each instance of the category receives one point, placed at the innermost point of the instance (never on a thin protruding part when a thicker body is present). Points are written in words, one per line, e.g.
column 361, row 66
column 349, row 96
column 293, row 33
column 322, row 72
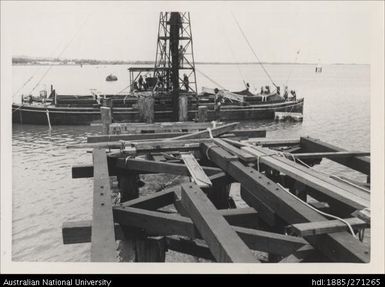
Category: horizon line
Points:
column 122, row 62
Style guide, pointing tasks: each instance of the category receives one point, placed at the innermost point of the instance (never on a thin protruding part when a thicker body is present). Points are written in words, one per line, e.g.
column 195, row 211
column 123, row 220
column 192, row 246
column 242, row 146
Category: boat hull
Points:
column 38, row 115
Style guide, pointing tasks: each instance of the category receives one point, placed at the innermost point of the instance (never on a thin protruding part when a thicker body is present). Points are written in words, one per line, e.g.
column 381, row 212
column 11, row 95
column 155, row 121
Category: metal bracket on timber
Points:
column 197, row 173
column 103, row 246
column 224, row 243
column 338, row 246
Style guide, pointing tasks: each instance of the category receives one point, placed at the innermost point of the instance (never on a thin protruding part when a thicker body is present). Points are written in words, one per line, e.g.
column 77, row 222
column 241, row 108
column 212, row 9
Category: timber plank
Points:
column 132, row 137
column 331, row 155
column 74, row 232
column 103, row 246
column 242, row 217
column 153, row 223
column 299, row 255
column 187, row 246
column 196, row 171
column 328, row 226
column 360, row 163
column 340, row 246
column 152, row 166
column 272, row 142
column 249, row 133
column 154, row 200
column 204, row 134
column 224, row 243
column 327, row 186
column 244, row 156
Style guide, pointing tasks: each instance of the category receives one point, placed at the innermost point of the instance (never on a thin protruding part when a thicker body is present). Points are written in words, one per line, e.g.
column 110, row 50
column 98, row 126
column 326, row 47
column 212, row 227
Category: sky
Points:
column 325, row 32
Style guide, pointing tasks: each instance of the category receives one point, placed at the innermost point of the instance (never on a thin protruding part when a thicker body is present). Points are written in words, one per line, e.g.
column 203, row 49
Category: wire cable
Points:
column 252, row 50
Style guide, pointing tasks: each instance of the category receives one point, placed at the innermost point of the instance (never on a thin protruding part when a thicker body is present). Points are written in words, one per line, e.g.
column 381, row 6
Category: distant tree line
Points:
column 38, row 61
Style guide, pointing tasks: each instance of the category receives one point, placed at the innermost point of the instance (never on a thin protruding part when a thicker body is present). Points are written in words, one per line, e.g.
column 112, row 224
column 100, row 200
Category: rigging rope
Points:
column 233, row 55
column 252, row 50
column 61, row 53
column 36, row 72
column 26, row 82
column 211, row 80
column 291, row 71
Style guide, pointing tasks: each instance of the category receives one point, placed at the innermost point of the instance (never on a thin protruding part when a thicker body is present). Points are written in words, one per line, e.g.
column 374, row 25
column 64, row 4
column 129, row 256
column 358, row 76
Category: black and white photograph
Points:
column 197, row 132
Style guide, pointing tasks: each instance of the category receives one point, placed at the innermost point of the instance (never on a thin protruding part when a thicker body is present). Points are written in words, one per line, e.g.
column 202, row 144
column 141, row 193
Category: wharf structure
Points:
column 289, row 212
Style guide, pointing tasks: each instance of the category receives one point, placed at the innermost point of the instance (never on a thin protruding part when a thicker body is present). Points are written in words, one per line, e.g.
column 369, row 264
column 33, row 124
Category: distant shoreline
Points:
column 29, row 61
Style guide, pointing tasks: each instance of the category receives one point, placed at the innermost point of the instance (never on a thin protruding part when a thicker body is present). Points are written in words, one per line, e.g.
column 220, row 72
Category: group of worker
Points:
column 265, row 90
column 142, row 84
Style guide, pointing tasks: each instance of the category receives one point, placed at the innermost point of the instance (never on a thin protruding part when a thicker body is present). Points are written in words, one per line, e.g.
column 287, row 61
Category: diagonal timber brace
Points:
column 339, row 246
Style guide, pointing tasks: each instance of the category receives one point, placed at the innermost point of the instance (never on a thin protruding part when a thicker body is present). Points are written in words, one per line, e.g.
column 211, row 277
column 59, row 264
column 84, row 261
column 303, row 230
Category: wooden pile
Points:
column 289, row 203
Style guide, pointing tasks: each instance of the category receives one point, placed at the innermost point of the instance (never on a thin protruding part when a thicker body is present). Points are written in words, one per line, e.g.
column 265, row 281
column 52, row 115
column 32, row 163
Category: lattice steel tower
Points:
column 174, row 52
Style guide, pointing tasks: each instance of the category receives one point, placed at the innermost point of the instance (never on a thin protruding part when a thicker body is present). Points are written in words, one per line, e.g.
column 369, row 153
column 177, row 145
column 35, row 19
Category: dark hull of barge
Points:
column 37, row 115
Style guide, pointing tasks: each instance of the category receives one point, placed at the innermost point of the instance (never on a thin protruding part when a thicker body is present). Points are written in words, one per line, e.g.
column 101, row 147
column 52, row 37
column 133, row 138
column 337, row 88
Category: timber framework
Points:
column 290, row 212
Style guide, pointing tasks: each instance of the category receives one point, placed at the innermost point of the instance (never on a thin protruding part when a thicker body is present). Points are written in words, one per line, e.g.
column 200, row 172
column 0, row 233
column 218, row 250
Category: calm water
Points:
column 337, row 110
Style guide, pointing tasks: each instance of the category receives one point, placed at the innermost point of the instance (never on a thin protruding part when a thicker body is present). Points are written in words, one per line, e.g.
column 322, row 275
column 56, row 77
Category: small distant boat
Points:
column 111, row 78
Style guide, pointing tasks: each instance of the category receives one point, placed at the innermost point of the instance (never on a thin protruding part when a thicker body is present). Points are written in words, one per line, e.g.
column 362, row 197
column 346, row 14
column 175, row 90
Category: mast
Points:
column 174, row 55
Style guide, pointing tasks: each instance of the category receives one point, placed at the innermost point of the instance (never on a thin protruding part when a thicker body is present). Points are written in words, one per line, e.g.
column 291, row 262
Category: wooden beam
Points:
column 159, row 127
column 331, row 155
column 348, row 196
column 265, row 212
column 204, row 134
column 272, row 142
column 132, row 137
column 154, row 200
column 363, row 214
column 244, row 156
column 322, row 227
column 340, row 246
column 151, row 166
column 80, row 232
column 224, row 243
column 157, row 223
column 197, row 248
column 360, row 163
column 145, row 146
column 103, row 246
column 196, row 171
column 299, row 255
column 242, row 217
column 74, row 232
column 82, row 171
column 250, row 133
column 164, row 135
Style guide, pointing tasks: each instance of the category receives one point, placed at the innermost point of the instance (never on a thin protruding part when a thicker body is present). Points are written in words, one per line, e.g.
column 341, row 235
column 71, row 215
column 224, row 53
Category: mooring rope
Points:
column 49, row 120
column 292, row 69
